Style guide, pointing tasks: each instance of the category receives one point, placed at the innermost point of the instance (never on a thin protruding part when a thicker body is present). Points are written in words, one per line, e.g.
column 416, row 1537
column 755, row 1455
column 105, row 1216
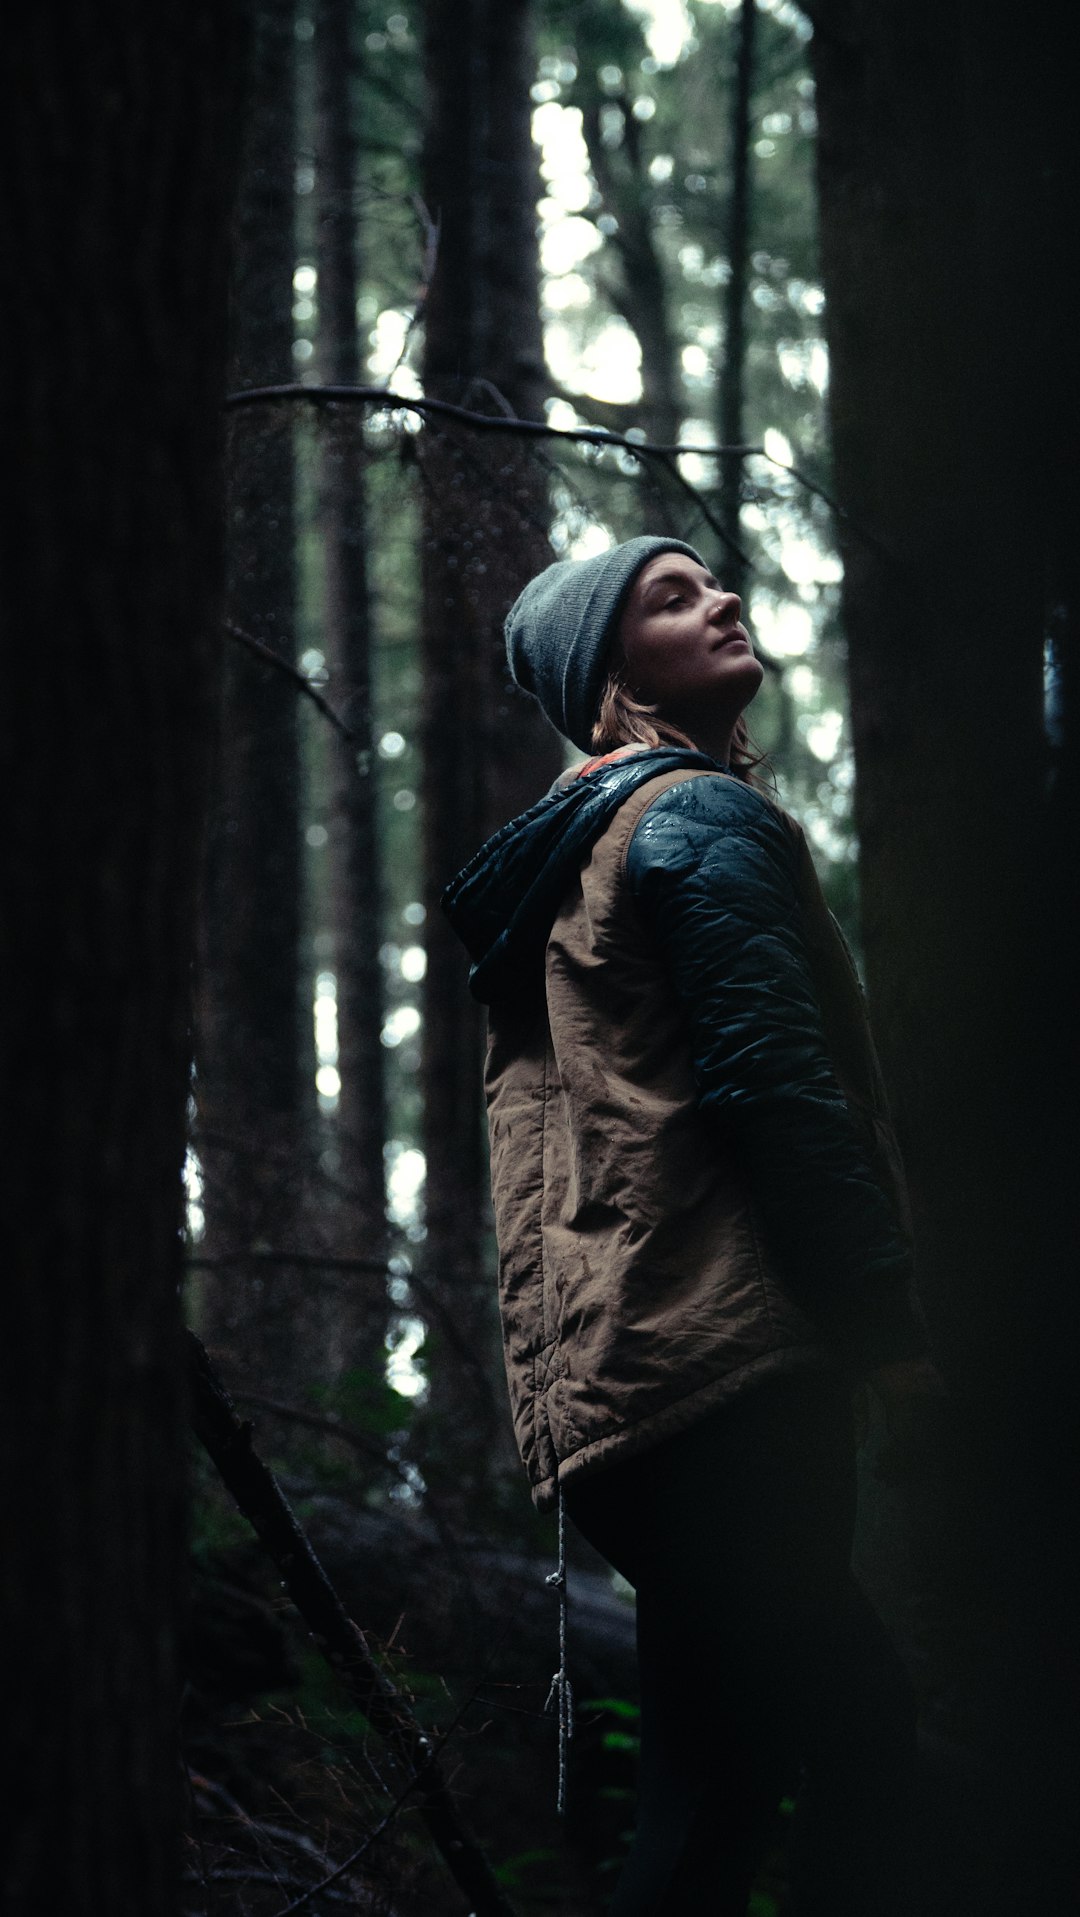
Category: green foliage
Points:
column 621, row 1741
column 519, row 1872
column 617, row 1706
column 363, row 1400
column 617, row 1737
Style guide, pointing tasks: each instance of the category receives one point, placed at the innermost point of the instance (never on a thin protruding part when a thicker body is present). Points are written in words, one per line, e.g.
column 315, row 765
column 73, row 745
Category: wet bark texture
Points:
column 112, row 315
column 944, row 272
column 487, row 751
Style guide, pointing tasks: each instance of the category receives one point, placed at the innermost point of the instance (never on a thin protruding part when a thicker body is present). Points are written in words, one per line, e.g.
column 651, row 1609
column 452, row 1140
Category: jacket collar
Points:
column 502, row 905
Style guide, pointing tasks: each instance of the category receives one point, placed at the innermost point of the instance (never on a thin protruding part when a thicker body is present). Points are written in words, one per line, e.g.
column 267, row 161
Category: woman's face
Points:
column 685, row 649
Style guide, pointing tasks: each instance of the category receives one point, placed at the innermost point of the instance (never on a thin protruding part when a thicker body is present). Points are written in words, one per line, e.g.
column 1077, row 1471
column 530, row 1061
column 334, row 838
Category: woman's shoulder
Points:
column 704, row 817
column 716, row 796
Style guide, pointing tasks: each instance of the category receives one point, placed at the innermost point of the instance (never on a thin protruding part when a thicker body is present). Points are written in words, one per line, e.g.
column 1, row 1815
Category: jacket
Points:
column 695, row 1180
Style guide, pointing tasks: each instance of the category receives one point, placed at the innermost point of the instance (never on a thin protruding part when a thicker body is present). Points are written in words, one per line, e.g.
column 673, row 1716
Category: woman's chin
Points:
column 737, row 681
column 750, row 678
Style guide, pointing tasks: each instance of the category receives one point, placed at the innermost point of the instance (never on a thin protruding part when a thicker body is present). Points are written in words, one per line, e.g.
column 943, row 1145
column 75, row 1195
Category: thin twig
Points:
column 259, row 1828
column 246, row 1874
column 325, row 1883
column 432, row 233
column 443, row 1739
column 271, row 658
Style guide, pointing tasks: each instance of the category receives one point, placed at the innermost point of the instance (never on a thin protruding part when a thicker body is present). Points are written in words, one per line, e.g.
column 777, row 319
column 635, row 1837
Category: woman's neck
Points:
column 713, row 739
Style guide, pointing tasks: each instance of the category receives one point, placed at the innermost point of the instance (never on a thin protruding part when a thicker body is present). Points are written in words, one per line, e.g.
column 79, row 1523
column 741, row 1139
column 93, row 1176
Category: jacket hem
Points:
column 630, row 1440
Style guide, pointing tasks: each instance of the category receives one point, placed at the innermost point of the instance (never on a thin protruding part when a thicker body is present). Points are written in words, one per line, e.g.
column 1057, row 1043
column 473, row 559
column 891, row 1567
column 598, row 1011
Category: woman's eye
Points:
column 675, row 600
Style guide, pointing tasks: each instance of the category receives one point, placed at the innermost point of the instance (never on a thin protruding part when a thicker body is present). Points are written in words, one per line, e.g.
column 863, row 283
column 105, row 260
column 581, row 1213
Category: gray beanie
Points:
column 560, row 628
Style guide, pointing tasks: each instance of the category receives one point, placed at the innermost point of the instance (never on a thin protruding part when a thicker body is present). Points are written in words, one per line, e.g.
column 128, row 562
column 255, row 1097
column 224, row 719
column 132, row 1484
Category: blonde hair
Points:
column 624, row 719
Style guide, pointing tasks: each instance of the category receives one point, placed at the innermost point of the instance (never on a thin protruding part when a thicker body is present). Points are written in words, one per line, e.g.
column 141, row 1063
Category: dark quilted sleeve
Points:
column 712, row 867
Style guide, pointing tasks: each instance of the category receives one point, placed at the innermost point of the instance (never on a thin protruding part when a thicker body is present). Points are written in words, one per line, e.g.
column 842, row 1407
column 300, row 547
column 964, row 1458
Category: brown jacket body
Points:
column 636, row 1290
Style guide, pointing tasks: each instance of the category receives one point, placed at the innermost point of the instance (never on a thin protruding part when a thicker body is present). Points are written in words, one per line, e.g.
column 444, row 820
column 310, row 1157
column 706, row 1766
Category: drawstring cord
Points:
column 561, row 1695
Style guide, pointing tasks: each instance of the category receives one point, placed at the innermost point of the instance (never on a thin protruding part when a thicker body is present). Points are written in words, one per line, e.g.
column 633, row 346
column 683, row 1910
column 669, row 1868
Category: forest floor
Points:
column 287, row 1782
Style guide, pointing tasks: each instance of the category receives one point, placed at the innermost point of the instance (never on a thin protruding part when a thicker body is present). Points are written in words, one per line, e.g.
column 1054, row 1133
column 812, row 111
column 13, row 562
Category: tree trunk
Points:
column 945, row 302
column 487, row 751
column 356, row 1217
column 640, row 295
column 637, row 288
column 118, row 162
column 732, row 382
column 255, row 1044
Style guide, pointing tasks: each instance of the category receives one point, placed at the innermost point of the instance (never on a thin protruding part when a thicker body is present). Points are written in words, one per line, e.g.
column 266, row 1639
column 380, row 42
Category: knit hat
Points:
column 559, row 630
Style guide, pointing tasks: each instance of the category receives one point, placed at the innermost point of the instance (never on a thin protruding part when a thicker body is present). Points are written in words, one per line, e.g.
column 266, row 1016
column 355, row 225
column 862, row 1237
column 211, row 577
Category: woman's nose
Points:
column 725, row 608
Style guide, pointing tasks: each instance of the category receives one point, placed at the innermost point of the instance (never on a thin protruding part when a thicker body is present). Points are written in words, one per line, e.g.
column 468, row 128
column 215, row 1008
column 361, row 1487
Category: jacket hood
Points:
column 502, row 905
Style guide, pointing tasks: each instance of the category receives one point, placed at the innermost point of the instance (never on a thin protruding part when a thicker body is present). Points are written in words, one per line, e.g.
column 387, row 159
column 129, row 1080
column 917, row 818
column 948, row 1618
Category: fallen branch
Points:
column 263, row 1503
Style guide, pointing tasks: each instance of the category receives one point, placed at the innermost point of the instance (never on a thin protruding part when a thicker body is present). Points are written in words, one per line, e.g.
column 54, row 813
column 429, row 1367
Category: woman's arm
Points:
column 712, row 868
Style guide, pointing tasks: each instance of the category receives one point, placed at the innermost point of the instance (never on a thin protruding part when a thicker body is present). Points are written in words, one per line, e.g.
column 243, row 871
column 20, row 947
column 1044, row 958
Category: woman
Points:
column 702, row 1234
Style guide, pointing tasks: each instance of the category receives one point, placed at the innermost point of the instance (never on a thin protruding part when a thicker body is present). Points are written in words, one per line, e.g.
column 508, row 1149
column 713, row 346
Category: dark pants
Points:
column 764, row 1672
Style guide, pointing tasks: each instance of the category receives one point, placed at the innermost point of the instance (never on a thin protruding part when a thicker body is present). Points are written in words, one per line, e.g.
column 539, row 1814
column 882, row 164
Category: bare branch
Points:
column 382, row 399
column 372, row 1836
column 379, row 396
column 324, row 1885
column 271, row 658
column 432, row 234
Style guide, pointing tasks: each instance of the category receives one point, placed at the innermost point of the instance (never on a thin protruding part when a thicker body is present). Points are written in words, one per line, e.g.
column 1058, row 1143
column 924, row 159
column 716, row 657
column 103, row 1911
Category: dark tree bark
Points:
column 487, row 751
column 731, row 386
column 357, row 1214
column 255, row 1042
column 943, row 240
column 118, row 163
